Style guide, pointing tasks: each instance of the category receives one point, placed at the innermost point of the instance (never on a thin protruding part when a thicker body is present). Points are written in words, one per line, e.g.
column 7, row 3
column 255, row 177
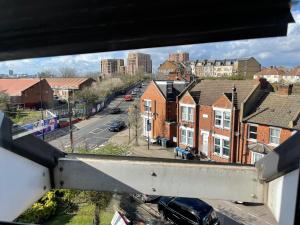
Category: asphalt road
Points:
column 93, row 132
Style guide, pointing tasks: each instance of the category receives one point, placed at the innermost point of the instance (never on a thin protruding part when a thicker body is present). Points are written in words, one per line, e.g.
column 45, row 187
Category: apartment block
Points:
column 112, row 66
column 138, row 63
column 228, row 67
column 179, row 57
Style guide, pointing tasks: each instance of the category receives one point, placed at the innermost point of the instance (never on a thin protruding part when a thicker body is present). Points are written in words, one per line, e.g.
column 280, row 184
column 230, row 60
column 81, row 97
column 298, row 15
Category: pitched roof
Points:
column 177, row 88
column 278, row 110
column 66, row 82
column 14, row 87
column 272, row 71
column 207, row 92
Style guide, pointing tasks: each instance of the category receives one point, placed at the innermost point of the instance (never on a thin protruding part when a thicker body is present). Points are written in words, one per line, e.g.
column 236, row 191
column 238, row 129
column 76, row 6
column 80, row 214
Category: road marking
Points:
column 95, row 131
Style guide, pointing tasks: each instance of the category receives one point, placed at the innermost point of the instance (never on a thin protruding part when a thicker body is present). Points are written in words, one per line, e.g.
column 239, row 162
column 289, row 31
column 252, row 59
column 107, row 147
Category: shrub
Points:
column 41, row 210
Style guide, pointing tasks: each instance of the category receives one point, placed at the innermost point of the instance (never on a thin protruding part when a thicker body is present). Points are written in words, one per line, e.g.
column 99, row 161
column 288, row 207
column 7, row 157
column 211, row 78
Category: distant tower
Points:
column 10, row 72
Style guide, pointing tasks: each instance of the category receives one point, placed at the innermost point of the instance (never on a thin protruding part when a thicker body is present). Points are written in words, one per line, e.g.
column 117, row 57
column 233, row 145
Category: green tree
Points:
column 134, row 119
column 100, row 200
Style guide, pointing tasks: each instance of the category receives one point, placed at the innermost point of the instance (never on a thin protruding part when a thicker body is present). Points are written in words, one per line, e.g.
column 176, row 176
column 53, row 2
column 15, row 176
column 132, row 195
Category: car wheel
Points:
column 162, row 215
column 117, row 130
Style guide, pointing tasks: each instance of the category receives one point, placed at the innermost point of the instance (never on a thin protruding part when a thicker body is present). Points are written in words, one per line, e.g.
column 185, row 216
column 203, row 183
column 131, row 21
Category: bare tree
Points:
column 134, row 119
column 67, row 72
column 46, row 73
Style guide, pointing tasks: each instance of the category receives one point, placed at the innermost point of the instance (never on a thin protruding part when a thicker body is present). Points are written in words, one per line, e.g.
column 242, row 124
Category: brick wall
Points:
column 263, row 136
column 188, row 99
column 158, row 106
column 31, row 97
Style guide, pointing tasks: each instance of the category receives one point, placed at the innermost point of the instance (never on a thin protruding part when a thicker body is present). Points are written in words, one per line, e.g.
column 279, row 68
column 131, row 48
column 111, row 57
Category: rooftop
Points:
column 206, row 92
column 278, row 110
column 14, row 87
column 177, row 88
column 66, row 82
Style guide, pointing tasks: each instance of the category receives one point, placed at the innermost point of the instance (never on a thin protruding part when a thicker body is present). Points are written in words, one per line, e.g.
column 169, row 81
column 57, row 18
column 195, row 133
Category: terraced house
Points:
column 159, row 109
column 271, row 122
column 210, row 115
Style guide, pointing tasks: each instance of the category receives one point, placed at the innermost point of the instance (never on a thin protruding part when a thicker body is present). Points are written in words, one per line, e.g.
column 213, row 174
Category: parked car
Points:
column 128, row 97
column 184, row 211
column 114, row 110
column 116, row 125
column 136, row 90
column 143, row 84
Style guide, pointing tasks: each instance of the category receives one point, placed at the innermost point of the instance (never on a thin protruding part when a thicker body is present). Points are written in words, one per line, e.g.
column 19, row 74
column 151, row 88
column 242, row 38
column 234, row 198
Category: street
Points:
column 93, row 133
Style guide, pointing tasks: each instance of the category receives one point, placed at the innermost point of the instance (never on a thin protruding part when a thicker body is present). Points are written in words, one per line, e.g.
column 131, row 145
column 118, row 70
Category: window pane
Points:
column 225, row 147
column 190, row 138
column 217, row 145
column 218, row 118
column 252, row 136
column 227, row 119
column 227, row 115
column 253, row 129
column 190, row 115
column 183, row 136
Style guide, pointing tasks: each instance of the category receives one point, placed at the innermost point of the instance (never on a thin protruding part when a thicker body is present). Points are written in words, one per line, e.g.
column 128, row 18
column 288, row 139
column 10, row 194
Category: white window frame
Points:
column 248, row 135
column 274, row 128
column 188, row 115
column 253, row 154
column 222, row 139
column 222, row 112
column 188, row 139
column 147, row 106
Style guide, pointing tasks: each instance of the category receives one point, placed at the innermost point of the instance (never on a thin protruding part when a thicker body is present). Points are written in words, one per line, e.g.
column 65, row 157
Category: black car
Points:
column 116, row 125
column 114, row 110
column 184, row 211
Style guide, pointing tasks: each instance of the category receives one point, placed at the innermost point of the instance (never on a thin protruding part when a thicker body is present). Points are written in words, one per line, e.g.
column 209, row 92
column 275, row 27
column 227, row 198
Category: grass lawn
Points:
column 26, row 116
column 84, row 215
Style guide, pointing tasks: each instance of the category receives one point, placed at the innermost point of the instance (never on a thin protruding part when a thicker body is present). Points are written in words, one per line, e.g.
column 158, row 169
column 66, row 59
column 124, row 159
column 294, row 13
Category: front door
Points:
column 147, row 127
column 205, row 143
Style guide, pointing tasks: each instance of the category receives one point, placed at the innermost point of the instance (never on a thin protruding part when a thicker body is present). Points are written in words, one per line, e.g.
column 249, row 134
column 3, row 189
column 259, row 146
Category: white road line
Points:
column 96, row 130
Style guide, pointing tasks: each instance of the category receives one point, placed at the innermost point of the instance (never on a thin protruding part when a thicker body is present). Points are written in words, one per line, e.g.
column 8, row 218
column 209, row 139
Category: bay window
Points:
column 221, row 146
column 187, row 136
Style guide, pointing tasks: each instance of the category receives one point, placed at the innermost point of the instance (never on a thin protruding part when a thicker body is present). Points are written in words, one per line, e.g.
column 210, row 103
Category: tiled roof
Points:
column 66, row 83
column 14, row 87
column 271, row 71
column 279, row 111
column 207, row 92
column 294, row 72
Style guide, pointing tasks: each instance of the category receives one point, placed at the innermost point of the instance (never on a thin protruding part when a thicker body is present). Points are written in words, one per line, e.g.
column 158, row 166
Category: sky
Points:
column 279, row 51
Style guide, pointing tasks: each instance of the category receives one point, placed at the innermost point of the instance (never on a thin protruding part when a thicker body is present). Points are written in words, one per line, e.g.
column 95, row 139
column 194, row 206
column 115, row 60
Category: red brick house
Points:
column 27, row 92
column 158, row 108
column 209, row 116
column 170, row 70
column 271, row 122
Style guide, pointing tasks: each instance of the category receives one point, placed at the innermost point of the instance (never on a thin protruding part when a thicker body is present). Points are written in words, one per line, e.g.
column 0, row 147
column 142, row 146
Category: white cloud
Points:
column 269, row 51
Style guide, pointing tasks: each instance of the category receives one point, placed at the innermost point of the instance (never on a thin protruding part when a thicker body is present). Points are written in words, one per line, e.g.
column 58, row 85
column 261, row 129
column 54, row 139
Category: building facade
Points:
column 159, row 109
column 112, row 66
column 279, row 75
column 29, row 93
column 138, row 63
column 209, row 116
column 228, row 67
column 179, row 57
column 66, row 87
column 271, row 123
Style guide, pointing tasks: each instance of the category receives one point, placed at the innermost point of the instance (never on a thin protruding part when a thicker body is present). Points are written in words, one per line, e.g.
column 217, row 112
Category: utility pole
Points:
column 41, row 106
column 148, row 129
column 70, row 122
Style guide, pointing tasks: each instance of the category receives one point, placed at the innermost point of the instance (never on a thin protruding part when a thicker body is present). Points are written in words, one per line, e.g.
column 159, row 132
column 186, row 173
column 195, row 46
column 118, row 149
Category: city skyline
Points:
column 280, row 51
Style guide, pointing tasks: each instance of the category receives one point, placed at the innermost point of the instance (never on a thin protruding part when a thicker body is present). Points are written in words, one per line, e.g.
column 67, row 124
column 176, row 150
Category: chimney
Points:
column 285, row 89
column 234, row 97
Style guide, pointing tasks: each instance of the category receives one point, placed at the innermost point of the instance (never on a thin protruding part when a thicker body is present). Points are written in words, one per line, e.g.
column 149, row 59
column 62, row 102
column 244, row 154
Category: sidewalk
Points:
column 155, row 151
